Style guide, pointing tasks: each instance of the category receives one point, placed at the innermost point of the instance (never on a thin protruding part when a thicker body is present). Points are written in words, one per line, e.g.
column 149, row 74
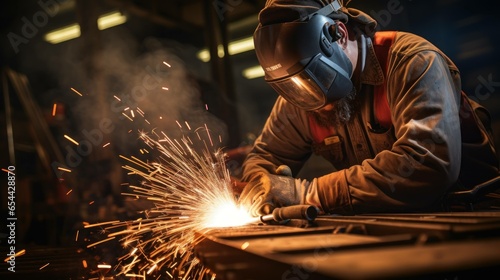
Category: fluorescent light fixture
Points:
column 110, row 20
column 204, row 55
column 63, row 34
column 73, row 31
column 253, row 72
column 234, row 47
column 239, row 46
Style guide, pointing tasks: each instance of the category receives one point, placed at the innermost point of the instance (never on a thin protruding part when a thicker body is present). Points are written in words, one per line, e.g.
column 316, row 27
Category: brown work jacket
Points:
column 408, row 167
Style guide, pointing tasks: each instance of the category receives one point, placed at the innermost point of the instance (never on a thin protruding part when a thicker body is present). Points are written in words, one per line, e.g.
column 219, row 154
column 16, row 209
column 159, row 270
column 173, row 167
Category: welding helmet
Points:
column 302, row 61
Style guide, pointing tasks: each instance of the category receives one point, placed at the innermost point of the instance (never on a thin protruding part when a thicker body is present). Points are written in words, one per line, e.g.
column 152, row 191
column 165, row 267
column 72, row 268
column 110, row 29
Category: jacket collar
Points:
column 372, row 73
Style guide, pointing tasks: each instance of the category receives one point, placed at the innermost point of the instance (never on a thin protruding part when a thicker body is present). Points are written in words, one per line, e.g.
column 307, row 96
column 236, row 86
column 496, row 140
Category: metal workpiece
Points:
column 417, row 246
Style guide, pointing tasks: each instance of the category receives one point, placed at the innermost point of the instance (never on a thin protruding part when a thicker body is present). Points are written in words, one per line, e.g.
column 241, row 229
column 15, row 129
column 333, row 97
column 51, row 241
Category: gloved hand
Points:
column 270, row 191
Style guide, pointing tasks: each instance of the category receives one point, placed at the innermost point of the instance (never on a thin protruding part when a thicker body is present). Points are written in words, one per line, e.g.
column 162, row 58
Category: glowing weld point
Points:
column 226, row 214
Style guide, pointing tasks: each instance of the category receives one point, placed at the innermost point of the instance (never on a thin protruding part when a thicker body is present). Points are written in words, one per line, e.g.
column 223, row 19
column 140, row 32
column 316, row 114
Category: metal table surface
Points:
column 398, row 246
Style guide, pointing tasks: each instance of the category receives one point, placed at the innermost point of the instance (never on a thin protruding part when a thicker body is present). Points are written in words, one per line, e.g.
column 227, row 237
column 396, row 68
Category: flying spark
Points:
column 64, row 169
column 76, row 91
column 71, row 139
column 103, row 266
column 54, row 109
column 18, row 254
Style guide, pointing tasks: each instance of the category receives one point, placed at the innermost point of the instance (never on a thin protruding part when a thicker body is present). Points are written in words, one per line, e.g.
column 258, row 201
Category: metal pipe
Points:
column 306, row 212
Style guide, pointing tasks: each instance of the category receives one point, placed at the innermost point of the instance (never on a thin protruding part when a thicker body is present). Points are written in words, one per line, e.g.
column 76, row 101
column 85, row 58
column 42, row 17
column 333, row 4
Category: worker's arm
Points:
column 285, row 140
column 414, row 174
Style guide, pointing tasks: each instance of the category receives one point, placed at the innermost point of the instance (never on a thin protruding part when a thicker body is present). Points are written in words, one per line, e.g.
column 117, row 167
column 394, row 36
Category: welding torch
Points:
column 283, row 214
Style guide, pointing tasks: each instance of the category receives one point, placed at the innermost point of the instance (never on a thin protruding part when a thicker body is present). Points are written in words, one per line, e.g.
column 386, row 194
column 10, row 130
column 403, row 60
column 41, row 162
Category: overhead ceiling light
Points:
column 234, row 47
column 73, row 31
column 253, row 72
column 63, row 34
column 239, row 46
column 110, row 20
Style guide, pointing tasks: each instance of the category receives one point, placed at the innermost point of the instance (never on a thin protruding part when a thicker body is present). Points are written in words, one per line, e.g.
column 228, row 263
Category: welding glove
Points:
column 270, row 191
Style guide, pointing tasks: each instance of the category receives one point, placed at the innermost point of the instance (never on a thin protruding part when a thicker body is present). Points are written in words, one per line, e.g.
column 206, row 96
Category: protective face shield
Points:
column 303, row 63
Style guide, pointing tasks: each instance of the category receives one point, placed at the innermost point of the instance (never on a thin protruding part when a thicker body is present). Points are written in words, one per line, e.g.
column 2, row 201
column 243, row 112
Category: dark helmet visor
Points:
column 307, row 89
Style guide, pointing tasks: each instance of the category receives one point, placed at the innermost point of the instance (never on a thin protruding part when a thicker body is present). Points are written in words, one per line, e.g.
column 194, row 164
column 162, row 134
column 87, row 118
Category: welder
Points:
column 385, row 108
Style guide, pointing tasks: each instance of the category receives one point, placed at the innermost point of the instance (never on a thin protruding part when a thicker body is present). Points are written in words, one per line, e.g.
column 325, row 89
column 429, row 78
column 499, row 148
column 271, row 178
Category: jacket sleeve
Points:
column 285, row 139
column 425, row 159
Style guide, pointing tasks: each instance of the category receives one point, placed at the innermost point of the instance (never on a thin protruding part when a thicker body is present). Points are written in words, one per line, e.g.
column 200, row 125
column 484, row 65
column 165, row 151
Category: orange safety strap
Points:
column 319, row 132
column 382, row 43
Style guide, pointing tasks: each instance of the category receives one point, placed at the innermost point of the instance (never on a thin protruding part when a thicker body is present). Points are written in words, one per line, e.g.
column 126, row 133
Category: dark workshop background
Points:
column 122, row 68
